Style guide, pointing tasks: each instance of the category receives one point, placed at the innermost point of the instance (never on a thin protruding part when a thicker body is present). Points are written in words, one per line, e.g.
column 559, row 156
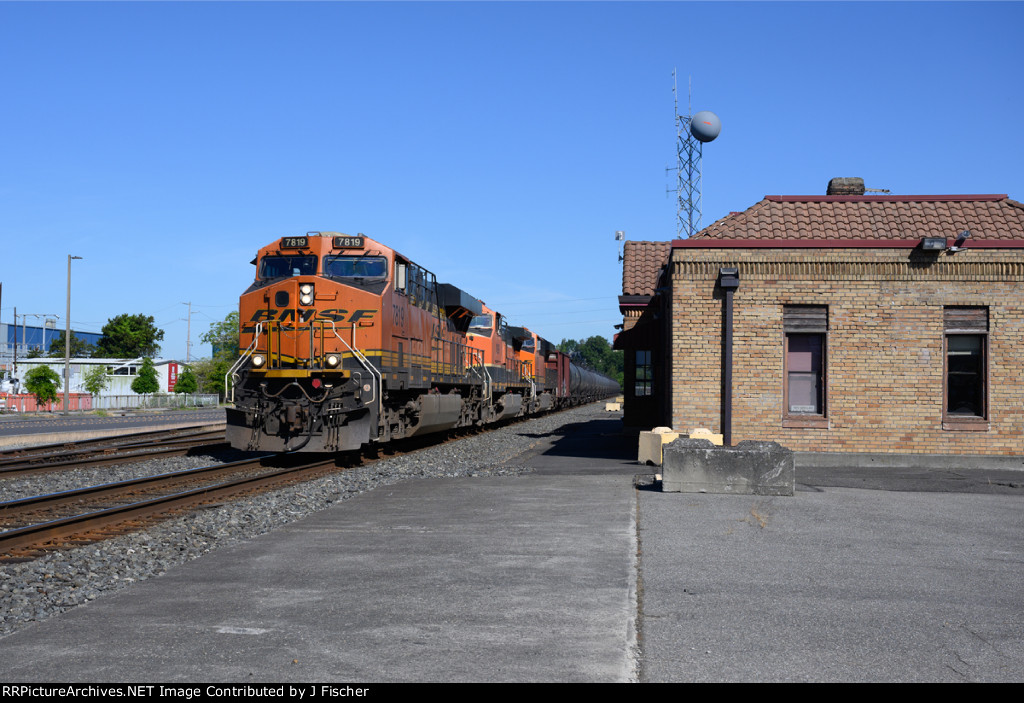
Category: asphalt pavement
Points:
column 832, row 584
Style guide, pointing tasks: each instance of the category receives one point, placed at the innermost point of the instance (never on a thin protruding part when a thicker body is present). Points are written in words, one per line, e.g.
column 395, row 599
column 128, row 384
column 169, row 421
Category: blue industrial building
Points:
column 32, row 337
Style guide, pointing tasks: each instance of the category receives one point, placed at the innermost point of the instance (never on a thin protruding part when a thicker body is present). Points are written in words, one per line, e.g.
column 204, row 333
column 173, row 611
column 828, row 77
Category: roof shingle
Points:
column 641, row 266
column 902, row 217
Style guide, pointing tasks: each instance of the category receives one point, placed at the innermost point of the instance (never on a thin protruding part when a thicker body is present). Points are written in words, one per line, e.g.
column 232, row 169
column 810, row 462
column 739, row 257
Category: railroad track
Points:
column 110, row 451
column 44, row 523
column 32, row 526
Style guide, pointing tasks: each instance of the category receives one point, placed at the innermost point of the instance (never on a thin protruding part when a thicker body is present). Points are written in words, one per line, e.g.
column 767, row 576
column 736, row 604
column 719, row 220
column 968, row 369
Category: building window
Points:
column 804, row 394
column 644, row 374
column 804, row 368
column 965, row 352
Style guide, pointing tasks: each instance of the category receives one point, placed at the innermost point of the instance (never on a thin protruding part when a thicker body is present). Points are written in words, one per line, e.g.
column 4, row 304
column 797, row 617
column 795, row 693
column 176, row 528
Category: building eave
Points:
column 709, row 243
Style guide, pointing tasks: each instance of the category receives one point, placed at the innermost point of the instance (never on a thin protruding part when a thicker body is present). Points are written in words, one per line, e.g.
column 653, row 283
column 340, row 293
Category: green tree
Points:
column 95, row 380
column 128, row 337
column 146, row 381
column 186, row 381
column 79, row 347
column 34, row 353
column 223, row 337
column 569, row 346
column 42, row 382
column 210, row 374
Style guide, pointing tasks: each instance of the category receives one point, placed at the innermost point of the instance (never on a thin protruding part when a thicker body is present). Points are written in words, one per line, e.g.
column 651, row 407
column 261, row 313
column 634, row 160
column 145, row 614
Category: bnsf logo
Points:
column 337, row 315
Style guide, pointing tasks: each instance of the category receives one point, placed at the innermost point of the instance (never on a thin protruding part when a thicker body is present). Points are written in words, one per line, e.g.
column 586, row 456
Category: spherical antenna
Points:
column 705, row 126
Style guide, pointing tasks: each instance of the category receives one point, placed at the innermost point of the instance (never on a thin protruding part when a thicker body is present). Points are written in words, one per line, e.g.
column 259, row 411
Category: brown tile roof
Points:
column 862, row 217
column 641, row 266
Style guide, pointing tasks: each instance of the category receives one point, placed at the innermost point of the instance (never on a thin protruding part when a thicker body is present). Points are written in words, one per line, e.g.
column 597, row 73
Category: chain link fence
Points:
column 163, row 400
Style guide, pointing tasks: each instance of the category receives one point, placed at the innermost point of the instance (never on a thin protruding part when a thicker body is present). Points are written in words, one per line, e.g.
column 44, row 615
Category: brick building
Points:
column 643, row 335
column 860, row 323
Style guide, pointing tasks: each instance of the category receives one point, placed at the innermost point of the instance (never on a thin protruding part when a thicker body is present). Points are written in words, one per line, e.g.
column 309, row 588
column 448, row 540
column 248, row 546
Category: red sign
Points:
column 172, row 376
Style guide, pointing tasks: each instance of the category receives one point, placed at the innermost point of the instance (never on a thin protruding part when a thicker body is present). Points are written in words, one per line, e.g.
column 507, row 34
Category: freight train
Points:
column 346, row 342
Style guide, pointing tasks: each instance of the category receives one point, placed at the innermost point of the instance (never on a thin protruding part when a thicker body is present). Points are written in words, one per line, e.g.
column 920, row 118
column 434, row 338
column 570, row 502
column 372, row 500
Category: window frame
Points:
column 648, row 379
column 261, row 267
column 490, row 329
column 330, row 259
column 966, row 321
column 807, row 321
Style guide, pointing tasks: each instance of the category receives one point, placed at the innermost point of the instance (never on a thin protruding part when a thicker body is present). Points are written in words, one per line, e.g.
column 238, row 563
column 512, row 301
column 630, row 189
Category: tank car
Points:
column 345, row 341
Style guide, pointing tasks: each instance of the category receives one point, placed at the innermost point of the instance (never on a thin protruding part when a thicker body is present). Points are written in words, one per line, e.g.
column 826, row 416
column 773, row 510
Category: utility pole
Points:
column 188, row 333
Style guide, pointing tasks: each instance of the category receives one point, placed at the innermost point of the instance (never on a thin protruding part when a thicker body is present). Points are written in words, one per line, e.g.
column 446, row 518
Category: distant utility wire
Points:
column 549, row 301
column 562, row 312
column 549, row 324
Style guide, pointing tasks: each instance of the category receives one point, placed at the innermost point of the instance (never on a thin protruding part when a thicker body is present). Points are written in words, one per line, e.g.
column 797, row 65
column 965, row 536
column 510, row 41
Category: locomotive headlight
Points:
column 333, row 360
column 306, row 294
column 258, row 360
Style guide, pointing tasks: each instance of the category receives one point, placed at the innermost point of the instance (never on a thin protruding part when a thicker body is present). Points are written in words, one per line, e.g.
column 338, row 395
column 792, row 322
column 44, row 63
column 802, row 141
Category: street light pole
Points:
column 67, row 338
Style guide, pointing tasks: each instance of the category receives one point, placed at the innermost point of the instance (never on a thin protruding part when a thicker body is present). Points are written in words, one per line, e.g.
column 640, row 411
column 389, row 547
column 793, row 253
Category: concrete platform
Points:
column 435, row 580
column 551, row 576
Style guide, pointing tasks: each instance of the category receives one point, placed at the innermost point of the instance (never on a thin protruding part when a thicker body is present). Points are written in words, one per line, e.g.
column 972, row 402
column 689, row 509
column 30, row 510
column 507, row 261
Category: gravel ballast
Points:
column 60, row 580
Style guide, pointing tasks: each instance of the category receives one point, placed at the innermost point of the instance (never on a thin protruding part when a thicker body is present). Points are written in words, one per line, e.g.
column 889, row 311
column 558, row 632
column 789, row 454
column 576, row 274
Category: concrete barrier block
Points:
column 651, row 443
column 751, row 468
column 705, row 433
column 612, row 407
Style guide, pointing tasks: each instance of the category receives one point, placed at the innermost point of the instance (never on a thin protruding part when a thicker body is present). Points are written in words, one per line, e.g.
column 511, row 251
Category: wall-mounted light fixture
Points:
column 961, row 241
column 729, row 278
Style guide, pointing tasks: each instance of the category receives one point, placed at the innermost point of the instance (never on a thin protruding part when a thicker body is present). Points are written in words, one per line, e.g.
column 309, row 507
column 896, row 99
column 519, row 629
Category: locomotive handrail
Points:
column 485, row 376
column 234, row 367
column 378, row 390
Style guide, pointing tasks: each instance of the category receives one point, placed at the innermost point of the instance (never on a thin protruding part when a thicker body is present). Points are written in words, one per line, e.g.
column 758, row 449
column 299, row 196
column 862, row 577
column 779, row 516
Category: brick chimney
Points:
column 845, row 186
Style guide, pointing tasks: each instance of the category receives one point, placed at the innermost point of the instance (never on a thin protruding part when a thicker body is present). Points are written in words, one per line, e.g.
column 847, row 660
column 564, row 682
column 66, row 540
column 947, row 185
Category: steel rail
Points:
column 64, row 527
column 73, row 495
column 113, row 441
column 107, row 457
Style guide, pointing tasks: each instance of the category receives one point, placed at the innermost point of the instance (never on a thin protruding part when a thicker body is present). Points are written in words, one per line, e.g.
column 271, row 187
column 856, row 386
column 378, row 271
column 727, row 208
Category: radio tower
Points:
column 692, row 131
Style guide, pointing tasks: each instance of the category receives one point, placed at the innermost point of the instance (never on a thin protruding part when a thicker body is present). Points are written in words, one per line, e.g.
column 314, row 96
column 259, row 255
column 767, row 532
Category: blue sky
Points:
column 499, row 145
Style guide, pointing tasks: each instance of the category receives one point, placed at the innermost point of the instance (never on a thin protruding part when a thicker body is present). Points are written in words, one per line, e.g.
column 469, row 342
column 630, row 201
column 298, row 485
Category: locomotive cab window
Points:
column 355, row 266
column 272, row 267
column 482, row 325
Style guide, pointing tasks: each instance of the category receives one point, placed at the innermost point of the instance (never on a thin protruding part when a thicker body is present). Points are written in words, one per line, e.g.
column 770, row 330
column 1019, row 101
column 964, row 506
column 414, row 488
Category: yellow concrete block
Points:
column 651, row 443
column 705, row 433
column 613, row 407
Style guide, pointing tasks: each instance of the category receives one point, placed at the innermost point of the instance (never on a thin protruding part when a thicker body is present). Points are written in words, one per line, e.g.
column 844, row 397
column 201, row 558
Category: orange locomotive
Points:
column 345, row 341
